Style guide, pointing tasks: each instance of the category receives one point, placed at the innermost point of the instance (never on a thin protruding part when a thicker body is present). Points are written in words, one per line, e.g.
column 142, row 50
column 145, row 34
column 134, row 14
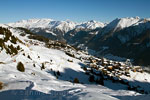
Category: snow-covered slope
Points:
column 3, row 25
column 121, row 23
column 52, row 70
column 39, row 83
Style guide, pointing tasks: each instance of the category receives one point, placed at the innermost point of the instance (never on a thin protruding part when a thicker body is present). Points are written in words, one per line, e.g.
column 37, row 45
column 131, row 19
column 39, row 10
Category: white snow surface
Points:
column 37, row 84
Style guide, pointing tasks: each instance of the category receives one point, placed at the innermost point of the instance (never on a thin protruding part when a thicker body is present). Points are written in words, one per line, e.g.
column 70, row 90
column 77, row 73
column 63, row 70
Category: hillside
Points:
column 33, row 67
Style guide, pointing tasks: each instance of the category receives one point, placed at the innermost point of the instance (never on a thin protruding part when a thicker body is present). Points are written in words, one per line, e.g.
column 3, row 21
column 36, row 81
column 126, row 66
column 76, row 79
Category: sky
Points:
column 74, row 10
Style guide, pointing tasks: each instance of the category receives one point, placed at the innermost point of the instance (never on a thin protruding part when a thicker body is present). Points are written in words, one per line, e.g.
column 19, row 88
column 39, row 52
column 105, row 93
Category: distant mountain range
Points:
column 50, row 24
column 124, row 37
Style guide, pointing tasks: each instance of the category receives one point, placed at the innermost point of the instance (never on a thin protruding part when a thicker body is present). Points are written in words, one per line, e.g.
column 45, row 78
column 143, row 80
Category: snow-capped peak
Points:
column 137, row 17
column 120, row 23
column 45, row 23
column 34, row 20
column 62, row 25
column 92, row 21
column 92, row 24
column 32, row 23
column 123, row 22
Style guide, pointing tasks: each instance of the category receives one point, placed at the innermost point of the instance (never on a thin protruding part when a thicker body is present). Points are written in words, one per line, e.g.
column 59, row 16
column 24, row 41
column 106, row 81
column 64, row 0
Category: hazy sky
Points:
column 75, row 10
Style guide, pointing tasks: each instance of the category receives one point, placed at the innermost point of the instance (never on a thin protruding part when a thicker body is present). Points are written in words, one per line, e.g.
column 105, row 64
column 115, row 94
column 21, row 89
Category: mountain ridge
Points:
column 97, row 36
column 49, row 23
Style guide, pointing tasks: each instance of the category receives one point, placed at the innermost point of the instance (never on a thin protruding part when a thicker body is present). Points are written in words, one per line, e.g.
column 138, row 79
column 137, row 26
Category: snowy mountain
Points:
column 90, row 25
column 45, row 23
column 128, row 33
column 52, row 24
column 33, row 67
column 125, row 37
column 55, row 30
column 109, row 30
column 121, row 23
